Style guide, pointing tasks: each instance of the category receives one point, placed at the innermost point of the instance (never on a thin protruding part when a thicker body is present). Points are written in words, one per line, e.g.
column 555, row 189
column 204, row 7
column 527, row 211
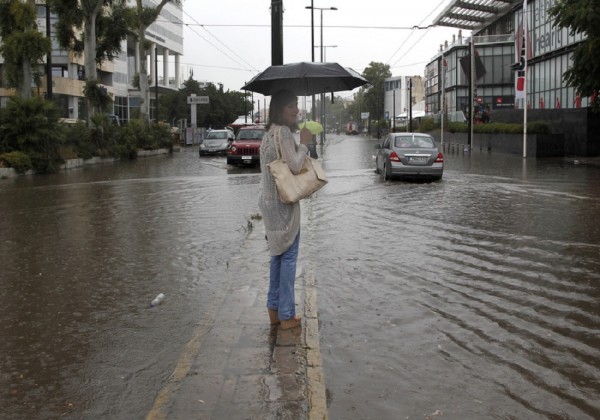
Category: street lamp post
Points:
column 324, row 51
column 323, row 107
column 312, row 26
column 313, row 8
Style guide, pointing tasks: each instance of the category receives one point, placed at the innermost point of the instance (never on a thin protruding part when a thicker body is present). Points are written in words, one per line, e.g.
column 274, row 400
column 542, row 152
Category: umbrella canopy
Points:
column 305, row 79
column 313, row 126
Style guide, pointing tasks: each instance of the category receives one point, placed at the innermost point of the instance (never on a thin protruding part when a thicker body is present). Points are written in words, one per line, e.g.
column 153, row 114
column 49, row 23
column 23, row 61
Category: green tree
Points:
column 373, row 98
column 223, row 109
column 581, row 16
column 338, row 113
column 95, row 29
column 357, row 106
column 23, row 46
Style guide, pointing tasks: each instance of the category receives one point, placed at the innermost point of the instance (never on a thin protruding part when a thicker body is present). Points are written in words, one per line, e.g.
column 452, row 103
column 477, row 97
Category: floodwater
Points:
column 84, row 252
column 474, row 297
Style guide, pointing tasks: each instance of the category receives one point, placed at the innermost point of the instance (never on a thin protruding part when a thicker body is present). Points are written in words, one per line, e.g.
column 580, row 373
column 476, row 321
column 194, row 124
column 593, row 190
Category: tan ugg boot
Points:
column 291, row 323
column 273, row 316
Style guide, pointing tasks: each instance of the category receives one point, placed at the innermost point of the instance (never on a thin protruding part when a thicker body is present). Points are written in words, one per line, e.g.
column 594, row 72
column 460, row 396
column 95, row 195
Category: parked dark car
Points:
column 414, row 155
column 216, row 142
column 245, row 149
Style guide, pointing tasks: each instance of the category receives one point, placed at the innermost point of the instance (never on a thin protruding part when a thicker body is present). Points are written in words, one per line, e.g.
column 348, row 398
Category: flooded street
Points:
column 85, row 252
column 474, row 297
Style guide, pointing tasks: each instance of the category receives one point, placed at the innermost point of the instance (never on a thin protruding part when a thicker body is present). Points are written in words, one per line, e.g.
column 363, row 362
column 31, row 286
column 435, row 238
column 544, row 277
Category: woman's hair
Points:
column 279, row 100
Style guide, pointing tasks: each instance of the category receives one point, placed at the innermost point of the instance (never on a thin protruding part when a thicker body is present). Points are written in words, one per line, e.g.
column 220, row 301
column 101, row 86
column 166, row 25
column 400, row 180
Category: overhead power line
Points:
column 246, row 25
column 208, row 41
column 221, row 42
column 411, row 34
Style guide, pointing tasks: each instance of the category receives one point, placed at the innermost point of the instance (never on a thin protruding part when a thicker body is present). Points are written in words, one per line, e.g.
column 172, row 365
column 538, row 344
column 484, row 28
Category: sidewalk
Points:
column 238, row 367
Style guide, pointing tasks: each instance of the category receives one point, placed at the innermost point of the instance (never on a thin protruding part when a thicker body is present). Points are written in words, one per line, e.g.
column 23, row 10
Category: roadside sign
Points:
column 197, row 99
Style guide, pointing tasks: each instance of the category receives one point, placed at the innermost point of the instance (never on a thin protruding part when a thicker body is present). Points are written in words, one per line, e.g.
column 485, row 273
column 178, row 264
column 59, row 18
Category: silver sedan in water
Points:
column 410, row 155
column 216, row 142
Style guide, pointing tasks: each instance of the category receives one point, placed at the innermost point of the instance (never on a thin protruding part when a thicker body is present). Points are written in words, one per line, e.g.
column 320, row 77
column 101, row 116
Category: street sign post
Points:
column 194, row 100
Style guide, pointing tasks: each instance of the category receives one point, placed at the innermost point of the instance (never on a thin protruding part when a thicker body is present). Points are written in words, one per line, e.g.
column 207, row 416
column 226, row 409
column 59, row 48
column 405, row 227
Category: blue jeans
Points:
column 281, row 283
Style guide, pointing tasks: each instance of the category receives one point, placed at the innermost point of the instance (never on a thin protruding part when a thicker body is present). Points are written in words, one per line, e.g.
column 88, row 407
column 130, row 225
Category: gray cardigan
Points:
column 282, row 221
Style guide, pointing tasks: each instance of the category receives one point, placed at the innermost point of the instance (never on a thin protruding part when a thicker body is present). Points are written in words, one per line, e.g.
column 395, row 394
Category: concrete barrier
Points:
column 538, row 145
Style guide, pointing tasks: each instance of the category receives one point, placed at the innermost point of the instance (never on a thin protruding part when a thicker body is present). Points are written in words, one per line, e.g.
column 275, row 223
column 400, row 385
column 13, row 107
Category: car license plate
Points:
column 418, row 159
column 246, row 157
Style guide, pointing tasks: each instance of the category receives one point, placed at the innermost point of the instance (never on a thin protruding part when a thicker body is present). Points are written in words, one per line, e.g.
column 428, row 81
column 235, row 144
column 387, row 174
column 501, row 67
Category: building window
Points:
column 121, row 108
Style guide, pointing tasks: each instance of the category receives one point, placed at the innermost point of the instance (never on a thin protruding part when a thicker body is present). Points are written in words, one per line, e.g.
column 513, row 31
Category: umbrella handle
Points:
column 304, row 109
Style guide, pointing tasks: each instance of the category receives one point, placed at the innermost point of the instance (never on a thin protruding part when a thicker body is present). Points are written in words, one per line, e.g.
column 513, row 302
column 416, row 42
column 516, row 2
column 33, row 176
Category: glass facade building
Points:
column 549, row 51
column 498, row 39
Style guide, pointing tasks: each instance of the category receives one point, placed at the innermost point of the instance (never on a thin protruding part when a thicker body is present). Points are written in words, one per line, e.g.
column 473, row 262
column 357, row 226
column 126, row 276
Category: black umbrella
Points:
column 305, row 79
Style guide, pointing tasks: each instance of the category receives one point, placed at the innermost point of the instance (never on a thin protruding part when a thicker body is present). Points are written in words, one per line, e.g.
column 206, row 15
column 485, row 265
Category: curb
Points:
column 315, row 380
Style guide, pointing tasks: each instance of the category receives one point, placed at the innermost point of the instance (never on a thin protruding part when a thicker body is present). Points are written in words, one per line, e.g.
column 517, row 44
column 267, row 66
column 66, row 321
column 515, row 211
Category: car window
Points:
column 386, row 143
column 217, row 135
column 251, row 134
column 424, row 142
column 404, row 142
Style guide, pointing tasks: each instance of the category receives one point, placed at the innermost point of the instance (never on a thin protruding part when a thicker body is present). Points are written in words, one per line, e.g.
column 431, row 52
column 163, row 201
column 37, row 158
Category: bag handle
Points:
column 277, row 136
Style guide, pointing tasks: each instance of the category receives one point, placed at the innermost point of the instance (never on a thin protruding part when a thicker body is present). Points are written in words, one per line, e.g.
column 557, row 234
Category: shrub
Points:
column 538, row 127
column 67, row 152
column 427, row 125
column 78, row 138
column 19, row 161
column 31, row 126
column 457, row 127
column 139, row 135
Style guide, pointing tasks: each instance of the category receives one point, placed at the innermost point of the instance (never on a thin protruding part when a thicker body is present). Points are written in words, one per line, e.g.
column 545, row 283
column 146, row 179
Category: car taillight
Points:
column 394, row 157
column 440, row 158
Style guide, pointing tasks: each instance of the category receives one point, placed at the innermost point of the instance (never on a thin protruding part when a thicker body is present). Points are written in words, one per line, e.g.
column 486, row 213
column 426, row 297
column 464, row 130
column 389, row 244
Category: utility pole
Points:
column 471, row 91
column 49, row 57
column 410, row 105
column 156, row 81
column 276, row 32
column 394, row 109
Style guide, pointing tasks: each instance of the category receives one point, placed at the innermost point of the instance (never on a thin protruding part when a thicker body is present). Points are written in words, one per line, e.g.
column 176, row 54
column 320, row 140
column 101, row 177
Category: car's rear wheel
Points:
column 384, row 173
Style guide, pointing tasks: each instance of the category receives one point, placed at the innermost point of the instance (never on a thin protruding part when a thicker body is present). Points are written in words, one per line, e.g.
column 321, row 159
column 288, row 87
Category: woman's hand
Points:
column 305, row 136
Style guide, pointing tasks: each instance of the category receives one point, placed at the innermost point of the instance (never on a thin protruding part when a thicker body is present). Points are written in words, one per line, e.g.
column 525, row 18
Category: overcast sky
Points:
column 229, row 41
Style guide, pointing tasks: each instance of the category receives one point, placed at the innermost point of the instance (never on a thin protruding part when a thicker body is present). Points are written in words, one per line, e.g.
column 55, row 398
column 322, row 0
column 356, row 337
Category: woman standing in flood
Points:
column 282, row 221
